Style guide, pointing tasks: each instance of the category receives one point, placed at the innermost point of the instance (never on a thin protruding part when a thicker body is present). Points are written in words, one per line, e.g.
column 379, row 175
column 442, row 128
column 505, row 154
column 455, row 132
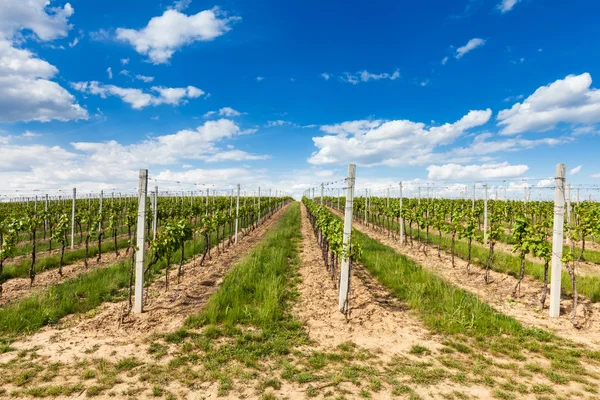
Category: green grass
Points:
column 80, row 294
column 257, row 291
column 442, row 306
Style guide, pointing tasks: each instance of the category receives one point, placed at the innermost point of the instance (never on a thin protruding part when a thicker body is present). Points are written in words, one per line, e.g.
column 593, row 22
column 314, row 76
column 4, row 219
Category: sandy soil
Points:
column 499, row 293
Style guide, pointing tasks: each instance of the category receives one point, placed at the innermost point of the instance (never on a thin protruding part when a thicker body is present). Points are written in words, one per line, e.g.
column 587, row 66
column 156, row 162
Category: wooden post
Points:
column 347, row 241
column 485, row 215
column 258, row 222
column 73, row 219
column 138, row 305
column 473, row 205
column 557, row 240
column 237, row 213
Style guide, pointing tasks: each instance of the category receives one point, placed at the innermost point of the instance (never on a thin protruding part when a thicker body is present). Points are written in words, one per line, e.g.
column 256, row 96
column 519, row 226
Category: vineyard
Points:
column 219, row 294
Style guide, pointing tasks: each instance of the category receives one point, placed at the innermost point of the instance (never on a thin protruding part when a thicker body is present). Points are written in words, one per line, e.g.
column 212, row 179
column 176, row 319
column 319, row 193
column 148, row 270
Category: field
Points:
column 436, row 310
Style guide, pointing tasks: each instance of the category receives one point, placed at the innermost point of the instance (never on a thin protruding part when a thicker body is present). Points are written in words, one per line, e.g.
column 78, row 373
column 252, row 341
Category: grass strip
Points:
column 507, row 263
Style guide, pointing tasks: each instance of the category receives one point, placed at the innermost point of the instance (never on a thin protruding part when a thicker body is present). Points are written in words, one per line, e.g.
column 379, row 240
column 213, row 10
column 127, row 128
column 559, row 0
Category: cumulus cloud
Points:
column 444, row 60
column 124, row 61
column 37, row 166
column 26, row 91
column 575, row 170
column 260, row 78
column 224, row 112
column 47, row 23
column 325, row 76
column 366, row 76
column 27, row 94
column 507, row 5
column 475, row 172
column 166, row 34
column 398, row 142
column 471, row 45
column 569, row 100
column 146, row 79
column 139, row 99
column 109, row 72
column 181, row 5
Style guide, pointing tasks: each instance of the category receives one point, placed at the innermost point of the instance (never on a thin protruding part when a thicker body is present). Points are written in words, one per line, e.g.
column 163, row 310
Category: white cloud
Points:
column 74, row 42
column 124, row 61
column 366, row 76
column 166, row 34
column 229, row 112
column 224, row 112
column 471, row 45
column 569, row 100
column 575, row 170
column 512, row 98
column 507, row 5
column 146, row 79
column 29, row 134
column 124, row 72
column 475, row 172
column 27, row 94
column 398, row 142
column 109, row 72
column 155, row 118
column 100, row 35
column 424, row 83
column 139, row 99
column 444, row 60
column 596, row 176
column 260, row 78
column 181, row 5
column 325, row 76
column 48, row 23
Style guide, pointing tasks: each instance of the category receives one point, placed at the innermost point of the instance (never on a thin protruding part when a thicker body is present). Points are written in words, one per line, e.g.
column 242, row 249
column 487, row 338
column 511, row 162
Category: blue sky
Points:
column 286, row 94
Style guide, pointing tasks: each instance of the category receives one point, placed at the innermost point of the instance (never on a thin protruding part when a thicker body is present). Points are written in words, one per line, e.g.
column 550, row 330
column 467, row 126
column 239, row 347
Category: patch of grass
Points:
column 419, row 350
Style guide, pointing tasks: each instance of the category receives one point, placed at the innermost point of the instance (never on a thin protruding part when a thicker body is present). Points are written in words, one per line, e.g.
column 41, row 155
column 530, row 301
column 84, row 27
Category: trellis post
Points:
column 557, row 240
column 138, row 305
column 237, row 213
column 485, row 215
column 73, row 219
column 401, row 218
column 347, row 241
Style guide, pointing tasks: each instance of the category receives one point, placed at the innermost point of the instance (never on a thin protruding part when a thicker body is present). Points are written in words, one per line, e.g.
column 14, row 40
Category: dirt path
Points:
column 100, row 332
column 499, row 293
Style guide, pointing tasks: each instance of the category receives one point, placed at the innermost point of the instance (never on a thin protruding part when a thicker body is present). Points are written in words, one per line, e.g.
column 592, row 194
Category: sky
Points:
column 284, row 95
